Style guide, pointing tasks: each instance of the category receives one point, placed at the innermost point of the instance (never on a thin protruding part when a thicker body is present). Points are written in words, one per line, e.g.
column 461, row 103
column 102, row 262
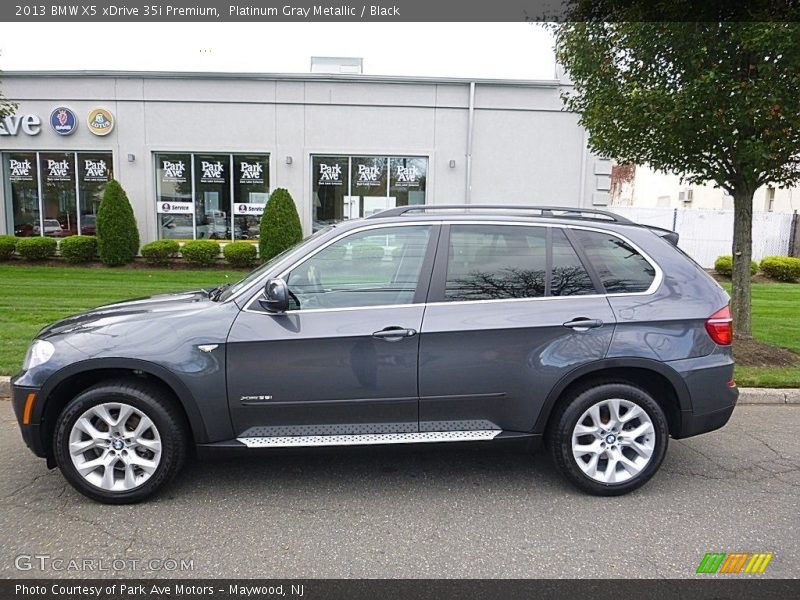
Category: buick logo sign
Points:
column 165, row 207
column 63, row 121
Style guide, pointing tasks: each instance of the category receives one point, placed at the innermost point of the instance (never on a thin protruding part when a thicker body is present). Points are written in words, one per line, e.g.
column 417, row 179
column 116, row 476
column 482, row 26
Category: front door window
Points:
column 376, row 267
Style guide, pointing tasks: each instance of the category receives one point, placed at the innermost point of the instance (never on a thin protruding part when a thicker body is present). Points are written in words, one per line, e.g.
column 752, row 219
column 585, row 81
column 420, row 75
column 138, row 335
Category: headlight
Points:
column 39, row 353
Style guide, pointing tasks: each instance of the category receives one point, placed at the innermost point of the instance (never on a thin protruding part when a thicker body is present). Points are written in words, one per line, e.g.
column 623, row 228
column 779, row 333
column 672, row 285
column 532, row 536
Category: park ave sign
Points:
column 13, row 124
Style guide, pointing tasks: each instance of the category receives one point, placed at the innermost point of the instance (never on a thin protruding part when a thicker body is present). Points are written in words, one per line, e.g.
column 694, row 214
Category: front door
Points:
column 512, row 310
column 343, row 359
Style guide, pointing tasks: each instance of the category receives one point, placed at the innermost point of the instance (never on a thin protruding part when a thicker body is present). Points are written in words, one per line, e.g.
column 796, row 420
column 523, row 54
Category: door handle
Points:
column 583, row 324
column 394, row 334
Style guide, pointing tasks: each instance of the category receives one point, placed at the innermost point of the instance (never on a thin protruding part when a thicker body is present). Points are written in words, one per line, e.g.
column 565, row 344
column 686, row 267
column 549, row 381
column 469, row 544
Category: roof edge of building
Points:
column 349, row 77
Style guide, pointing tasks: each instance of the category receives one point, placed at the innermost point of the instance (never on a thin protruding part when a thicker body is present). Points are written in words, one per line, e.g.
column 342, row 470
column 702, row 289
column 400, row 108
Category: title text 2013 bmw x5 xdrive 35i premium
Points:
column 418, row 324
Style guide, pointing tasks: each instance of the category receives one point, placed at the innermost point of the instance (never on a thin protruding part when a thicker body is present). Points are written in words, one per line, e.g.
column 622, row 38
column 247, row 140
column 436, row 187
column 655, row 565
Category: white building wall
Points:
column 525, row 148
column 663, row 190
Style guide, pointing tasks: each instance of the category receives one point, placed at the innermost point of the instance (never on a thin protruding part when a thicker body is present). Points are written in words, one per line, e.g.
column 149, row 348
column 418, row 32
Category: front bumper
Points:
column 31, row 432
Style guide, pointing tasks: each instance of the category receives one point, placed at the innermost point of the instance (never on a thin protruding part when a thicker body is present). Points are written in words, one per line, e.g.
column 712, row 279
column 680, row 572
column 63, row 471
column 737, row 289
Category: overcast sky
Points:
column 481, row 50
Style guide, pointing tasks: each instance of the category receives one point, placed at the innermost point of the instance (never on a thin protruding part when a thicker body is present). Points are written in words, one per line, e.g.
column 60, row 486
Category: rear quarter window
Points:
column 620, row 267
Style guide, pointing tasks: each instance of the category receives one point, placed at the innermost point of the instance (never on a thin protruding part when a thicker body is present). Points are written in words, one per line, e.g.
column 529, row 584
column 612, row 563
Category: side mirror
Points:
column 276, row 296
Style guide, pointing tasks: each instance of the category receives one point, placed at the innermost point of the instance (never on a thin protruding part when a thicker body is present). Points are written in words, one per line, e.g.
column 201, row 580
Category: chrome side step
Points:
column 367, row 439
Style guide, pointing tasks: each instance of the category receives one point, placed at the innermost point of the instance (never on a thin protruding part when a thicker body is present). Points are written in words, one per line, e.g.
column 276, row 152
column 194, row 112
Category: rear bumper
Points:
column 711, row 396
column 694, row 424
column 31, row 433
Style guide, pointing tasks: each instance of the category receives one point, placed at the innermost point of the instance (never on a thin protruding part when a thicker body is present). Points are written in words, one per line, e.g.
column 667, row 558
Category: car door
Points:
column 512, row 308
column 343, row 359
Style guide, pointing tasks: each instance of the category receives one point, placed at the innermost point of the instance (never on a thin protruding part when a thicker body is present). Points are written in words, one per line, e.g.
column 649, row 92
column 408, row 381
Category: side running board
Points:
column 368, row 439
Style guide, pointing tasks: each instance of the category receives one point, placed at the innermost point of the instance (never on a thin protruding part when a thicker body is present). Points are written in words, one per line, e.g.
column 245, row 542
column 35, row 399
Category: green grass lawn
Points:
column 31, row 297
column 776, row 321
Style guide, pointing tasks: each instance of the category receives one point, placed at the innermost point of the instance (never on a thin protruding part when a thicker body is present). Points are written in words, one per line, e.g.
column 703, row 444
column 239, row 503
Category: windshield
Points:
column 259, row 271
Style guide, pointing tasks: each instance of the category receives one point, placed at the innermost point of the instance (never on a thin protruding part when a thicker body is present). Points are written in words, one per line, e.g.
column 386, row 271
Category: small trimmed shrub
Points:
column 724, row 266
column 7, row 245
column 280, row 225
column 117, row 234
column 200, row 252
column 160, row 252
column 782, row 268
column 78, row 248
column 240, row 254
column 36, row 248
column 367, row 252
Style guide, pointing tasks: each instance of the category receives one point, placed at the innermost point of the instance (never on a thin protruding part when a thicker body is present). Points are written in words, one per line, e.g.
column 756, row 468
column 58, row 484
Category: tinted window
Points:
column 569, row 277
column 621, row 268
column 369, row 268
column 488, row 262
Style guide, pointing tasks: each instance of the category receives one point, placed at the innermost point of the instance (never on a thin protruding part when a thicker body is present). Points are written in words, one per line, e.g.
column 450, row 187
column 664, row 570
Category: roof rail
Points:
column 566, row 212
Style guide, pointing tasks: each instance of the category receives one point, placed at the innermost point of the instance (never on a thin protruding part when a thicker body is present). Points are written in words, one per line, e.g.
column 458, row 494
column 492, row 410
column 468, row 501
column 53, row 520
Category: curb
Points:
column 746, row 395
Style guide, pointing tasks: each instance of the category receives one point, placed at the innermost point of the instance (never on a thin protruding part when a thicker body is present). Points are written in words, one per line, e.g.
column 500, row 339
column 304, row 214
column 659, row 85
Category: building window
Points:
column 210, row 196
column 54, row 194
column 350, row 187
column 770, row 199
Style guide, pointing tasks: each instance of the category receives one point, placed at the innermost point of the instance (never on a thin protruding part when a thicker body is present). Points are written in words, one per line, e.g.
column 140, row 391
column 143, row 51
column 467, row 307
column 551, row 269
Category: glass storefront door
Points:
column 210, row 196
column 54, row 194
column 350, row 187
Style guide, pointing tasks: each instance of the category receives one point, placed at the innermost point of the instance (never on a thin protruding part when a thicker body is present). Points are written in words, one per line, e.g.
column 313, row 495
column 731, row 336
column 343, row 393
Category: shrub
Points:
column 367, row 252
column 160, row 252
column 78, row 248
column 782, row 268
column 117, row 234
column 724, row 266
column 240, row 254
column 280, row 225
column 7, row 245
column 36, row 248
column 200, row 252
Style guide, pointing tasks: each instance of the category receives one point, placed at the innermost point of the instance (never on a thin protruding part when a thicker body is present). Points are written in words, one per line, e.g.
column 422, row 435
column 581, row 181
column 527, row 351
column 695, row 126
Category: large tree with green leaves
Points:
column 6, row 107
column 716, row 102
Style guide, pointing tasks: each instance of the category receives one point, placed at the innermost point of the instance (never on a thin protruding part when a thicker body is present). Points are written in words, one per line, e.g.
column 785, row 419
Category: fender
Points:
column 681, row 391
column 85, row 366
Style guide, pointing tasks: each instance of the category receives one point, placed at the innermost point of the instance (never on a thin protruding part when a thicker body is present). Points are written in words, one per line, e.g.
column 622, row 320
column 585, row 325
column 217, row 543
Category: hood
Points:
column 150, row 308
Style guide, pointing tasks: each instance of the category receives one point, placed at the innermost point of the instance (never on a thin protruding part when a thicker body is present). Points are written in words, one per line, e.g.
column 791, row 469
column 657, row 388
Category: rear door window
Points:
column 499, row 262
column 620, row 267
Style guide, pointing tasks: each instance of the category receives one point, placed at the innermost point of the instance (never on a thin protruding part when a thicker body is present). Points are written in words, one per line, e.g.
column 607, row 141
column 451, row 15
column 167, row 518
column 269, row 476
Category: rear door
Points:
column 512, row 308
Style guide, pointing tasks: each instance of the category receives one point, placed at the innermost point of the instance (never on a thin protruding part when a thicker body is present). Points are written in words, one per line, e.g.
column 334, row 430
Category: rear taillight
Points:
column 720, row 326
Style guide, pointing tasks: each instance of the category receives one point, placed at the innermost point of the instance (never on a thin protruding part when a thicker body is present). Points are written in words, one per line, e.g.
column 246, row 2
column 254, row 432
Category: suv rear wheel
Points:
column 118, row 443
column 609, row 439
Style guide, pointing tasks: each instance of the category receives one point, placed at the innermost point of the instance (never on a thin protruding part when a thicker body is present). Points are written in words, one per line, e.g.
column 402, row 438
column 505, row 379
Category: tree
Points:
column 280, row 225
column 117, row 233
column 6, row 107
column 712, row 101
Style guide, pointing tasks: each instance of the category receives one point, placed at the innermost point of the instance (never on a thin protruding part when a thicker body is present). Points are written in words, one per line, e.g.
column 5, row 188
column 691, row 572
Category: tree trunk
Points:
column 742, row 254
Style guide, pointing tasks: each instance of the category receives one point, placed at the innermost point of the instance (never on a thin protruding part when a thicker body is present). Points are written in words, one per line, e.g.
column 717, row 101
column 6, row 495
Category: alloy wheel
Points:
column 613, row 441
column 115, row 446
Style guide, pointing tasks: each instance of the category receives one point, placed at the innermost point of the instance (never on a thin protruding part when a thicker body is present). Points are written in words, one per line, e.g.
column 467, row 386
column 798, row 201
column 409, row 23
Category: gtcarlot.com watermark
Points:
column 47, row 562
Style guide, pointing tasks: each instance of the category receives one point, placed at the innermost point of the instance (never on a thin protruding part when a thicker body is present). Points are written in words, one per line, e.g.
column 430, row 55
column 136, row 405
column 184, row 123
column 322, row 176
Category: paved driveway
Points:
column 420, row 512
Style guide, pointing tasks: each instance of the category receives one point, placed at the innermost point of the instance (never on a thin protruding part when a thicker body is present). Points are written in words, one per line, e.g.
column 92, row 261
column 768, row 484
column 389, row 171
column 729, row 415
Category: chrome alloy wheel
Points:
column 115, row 446
column 613, row 441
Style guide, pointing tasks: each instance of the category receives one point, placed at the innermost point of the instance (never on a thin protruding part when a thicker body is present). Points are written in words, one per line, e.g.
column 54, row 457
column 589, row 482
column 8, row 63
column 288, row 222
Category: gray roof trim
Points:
column 324, row 77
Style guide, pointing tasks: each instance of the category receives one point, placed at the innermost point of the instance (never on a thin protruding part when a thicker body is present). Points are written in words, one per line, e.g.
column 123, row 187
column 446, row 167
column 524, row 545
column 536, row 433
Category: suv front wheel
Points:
column 609, row 439
column 118, row 443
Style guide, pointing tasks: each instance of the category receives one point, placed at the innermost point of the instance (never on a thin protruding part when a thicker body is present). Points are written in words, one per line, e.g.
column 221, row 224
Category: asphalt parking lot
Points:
column 419, row 512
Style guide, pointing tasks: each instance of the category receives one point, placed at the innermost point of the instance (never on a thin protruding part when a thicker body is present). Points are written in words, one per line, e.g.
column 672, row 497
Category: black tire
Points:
column 559, row 436
column 156, row 405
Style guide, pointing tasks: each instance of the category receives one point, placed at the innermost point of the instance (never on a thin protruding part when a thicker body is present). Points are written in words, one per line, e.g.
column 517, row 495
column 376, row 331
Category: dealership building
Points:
column 199, row 153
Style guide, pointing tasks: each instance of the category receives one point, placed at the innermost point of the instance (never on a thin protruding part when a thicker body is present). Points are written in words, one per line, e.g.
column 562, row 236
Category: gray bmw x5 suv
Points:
column 419, row 324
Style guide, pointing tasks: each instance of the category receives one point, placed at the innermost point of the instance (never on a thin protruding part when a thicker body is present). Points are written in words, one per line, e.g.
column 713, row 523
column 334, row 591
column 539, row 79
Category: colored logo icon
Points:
column 734, row 562
column 100, row 121
column 63, row 121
